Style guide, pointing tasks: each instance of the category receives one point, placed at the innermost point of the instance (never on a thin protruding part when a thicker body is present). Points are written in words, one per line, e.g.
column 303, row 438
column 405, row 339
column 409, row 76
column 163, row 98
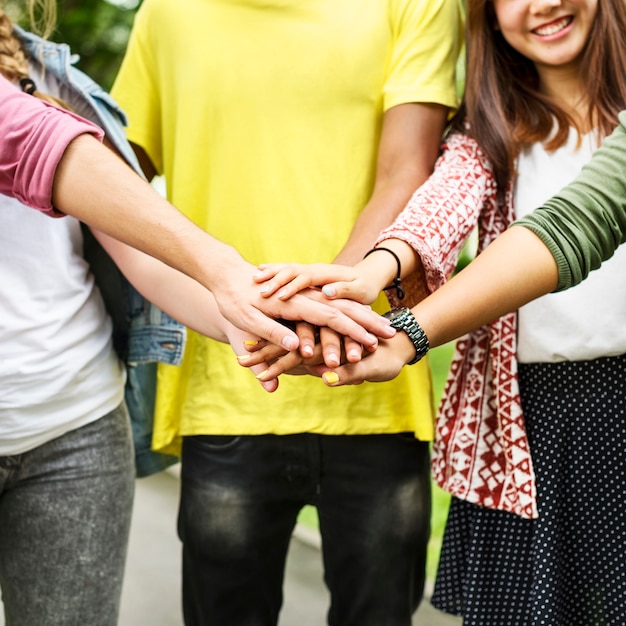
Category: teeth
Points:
column 552, row 28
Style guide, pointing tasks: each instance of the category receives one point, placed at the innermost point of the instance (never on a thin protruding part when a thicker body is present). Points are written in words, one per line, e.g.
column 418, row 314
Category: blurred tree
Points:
column 96, row 30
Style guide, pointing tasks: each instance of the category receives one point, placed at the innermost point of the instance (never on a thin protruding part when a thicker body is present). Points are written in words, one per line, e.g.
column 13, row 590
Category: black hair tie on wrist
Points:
column 28, row 86
column 397, row 281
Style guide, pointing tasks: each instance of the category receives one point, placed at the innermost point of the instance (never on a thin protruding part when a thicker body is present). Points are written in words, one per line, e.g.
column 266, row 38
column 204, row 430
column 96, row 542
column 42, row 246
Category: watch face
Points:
column 394, row 314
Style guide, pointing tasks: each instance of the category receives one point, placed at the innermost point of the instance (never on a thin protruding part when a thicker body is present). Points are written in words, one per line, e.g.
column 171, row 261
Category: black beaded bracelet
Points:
column 397, row 281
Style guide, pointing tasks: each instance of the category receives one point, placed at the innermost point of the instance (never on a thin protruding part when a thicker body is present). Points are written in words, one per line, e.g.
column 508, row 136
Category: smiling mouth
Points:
column 554, row 27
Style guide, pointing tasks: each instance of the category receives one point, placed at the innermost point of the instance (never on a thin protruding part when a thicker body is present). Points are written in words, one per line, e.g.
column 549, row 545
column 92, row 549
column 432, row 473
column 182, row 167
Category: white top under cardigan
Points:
column 582, row 323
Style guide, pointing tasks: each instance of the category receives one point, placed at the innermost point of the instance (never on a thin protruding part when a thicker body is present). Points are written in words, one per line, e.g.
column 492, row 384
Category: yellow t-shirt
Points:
column 264, row 116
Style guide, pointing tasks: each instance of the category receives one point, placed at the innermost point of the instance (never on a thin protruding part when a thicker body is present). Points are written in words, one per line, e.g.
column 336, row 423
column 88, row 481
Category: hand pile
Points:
column 338, row 351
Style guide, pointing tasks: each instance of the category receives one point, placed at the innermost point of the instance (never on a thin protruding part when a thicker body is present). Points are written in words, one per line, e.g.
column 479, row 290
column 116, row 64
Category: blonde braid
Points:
column 14, row 64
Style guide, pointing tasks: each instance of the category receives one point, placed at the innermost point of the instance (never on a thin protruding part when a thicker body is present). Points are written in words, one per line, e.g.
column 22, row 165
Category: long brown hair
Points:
column 502, row 102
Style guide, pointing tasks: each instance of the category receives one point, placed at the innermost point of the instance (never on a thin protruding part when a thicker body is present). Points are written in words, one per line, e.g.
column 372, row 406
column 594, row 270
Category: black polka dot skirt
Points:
column 568, row 567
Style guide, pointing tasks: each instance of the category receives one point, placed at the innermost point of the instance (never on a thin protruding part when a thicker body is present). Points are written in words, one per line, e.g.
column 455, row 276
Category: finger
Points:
column 287, row 277
column 269, row 383
column 331, row 347
column 352, row 350
column 361, row 314
column 254, row 344
column 350, row 290
column 337, row 377
column 294, row 278
column 291, row 278
column 273, row 331
column 384, row 364
column 306, row 336
column 288, row 362
column 268, row 354
column 265, row 271
column 349, row 374
column 291, row 288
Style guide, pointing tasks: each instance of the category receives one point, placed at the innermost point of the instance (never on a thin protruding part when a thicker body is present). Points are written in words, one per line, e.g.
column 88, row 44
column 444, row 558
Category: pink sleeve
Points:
column 33, row 138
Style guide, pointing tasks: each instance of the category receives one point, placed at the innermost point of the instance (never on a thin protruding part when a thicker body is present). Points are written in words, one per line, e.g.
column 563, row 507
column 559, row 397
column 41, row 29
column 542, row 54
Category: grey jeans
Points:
column 65, row 511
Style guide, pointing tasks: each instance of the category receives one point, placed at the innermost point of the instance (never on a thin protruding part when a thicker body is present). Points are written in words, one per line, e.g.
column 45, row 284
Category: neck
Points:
column 565, row 87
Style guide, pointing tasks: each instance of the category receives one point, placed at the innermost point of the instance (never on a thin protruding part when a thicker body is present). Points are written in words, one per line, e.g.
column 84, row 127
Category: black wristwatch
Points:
column 403, row 319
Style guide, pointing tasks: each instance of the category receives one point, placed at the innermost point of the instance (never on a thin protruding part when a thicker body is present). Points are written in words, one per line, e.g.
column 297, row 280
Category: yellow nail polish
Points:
column 250, row 342
column 330, row 377
column 243, row 357
column 262, row 374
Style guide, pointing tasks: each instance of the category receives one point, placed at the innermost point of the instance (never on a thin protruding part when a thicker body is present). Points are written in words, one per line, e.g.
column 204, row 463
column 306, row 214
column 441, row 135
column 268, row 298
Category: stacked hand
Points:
column 339, row 359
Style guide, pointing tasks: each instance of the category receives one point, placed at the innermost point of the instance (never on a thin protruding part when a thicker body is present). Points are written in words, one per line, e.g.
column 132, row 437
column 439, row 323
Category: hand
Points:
column 240, row 302
column 238, row 340
column 292, row 363
column 384, row 364
column 324, row 347
column 332, row 344
column 338, row 281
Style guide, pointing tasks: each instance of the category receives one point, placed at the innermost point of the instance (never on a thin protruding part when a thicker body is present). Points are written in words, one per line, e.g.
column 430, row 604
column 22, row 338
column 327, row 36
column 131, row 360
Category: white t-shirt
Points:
column 584, row 322
column 58, row 369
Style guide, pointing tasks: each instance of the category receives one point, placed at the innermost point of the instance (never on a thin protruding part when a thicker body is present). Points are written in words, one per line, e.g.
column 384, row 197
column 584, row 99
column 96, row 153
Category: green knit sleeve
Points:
column 585, row 222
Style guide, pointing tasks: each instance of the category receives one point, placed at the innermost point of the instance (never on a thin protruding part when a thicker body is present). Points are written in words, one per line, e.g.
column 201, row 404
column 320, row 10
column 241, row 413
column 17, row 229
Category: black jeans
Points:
column 239, row 502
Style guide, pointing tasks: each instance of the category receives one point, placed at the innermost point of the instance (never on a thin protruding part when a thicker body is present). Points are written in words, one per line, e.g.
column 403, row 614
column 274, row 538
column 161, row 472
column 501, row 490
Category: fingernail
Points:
column 289, row 343
column 331, row 378
column 265, row 289
column 243, row 357
column 281, row 294
column 307, row 351
column 262, row 374
column 332, row 360
column 329, row 291
column 370, row 338
column 250, row 342
column 354, row 354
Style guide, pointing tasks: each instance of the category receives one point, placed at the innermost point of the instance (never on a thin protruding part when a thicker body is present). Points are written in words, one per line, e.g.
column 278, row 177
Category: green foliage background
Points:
column 96, row 30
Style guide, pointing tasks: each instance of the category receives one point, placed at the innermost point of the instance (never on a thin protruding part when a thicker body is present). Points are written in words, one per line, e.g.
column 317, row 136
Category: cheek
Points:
column 509, row 23
column 509, row 16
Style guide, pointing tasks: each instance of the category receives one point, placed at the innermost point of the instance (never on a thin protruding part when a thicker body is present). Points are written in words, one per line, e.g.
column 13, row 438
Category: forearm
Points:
column 407, row 151
column 98, row 188
column 179, row 296
column 515, row 269
column 384, row 206
column 380, row 268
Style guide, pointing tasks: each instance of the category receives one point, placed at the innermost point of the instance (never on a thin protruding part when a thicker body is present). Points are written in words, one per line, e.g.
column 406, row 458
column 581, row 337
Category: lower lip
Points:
column 558, row 35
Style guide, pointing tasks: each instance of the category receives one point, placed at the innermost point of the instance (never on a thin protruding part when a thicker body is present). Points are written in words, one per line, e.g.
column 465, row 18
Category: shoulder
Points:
column 426, row 13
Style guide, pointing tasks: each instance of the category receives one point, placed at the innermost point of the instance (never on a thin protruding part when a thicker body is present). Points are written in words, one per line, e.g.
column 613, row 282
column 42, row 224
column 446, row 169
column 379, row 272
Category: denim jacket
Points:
column 143, row 335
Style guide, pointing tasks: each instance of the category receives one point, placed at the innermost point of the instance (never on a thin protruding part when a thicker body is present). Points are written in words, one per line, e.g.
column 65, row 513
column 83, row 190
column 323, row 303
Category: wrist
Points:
column 403, row 320
column 403, row 347
column 378, row 270
column 396, row 282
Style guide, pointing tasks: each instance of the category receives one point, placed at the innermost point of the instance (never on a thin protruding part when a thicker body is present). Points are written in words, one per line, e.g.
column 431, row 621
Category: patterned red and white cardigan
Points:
column 481, row 451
